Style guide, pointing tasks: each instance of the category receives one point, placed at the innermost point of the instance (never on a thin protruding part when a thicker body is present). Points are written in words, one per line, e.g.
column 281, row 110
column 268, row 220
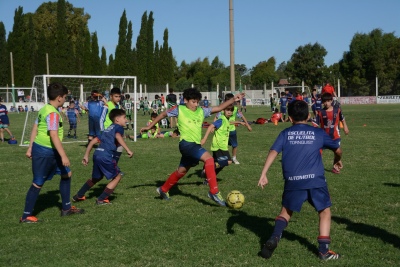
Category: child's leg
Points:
column 174, row 178
column 2, row 134
column 9, row 132
column 110, row 188
column 209, row 167
column 65, row 190
column 324, row 230
column 86, row 187
column 30, row 200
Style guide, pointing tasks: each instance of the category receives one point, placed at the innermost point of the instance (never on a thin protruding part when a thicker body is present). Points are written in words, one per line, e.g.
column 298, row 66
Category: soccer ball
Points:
column 235, row 199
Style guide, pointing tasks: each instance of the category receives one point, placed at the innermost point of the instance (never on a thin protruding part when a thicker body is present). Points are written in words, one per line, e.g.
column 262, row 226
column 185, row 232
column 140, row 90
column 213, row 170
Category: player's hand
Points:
column 28, row 153
column 338, row 165
column 346, row 131
column 239, row 96
column 85, row 161
column 130, row 153
column 249, row 127
column 263, row 181
column 65, row 161
column 144, row 129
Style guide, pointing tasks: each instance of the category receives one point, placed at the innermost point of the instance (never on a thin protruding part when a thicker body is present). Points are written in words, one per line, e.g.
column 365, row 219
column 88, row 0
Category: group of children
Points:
column 300, row 145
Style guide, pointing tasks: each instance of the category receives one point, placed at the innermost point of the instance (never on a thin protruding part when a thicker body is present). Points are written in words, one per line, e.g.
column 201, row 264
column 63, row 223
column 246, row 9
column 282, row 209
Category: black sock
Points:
column 106, row 193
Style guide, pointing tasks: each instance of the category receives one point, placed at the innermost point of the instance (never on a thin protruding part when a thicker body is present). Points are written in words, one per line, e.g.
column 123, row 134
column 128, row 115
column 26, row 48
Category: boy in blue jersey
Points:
column 190, row 120
column 303, row 172
column 4, row 122
column 283, row 101
column 105, row 158
column 72, row 118
column 95, row 109
column 48, row 155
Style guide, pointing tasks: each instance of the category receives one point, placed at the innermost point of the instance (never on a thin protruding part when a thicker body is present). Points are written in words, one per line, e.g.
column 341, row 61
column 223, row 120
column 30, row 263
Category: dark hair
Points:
column 298, row 110
column 230, row 107
column 72, row 102
column 55, row 90
column 127, row 96
column 326, row 97
column 276, row 110
column 116, row 113
column 176, row 131
column 115, row 91
column 191, row 93
column 283, row 93
column 228, row 96
column 153, row 115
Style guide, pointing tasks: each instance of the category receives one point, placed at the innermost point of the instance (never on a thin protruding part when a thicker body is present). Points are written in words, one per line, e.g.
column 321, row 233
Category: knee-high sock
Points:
column 280, row 225
column 30, row 201
column 65, row 192
column 86, row 186
column 323, row 242
column 172, row 180
column 211, row 175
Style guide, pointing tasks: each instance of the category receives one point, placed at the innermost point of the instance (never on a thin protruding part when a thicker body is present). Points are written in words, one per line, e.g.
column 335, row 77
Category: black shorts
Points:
column 221, row 154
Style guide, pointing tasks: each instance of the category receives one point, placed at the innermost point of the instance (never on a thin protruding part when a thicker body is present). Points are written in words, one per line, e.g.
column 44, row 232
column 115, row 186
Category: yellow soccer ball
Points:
column 235, row 199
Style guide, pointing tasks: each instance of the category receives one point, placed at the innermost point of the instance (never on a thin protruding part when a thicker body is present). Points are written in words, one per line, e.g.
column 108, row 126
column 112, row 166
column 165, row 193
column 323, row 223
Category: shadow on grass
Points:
column 176, row 191
column 263, row 228
column 369, row 230
column 47, row 200
column 392, row 184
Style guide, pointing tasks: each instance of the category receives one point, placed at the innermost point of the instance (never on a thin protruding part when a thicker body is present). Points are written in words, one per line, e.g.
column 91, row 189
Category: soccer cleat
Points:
column 29, row 219
column 217, row 198
column 235, row 161
column 269, row 247
column 103, row 202
column 76, row 198
column 162, row 194
column 334, row 170
column 330, row 255
column 71, row 211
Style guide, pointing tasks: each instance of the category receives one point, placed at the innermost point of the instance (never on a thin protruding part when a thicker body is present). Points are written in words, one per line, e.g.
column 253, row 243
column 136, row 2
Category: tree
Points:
column 103, row 61
column 4, row 58
column 307, row 64
column 95, row 58
column 264, row 72
column 121, row 62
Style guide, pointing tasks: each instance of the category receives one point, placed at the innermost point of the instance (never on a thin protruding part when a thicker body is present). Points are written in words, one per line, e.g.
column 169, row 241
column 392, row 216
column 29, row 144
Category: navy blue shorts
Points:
column 46, row 162
column 191, row 153
column 283, row 110
column 319, row 198
column 104, row 166
column 94, row 127
column 233, row 139
column 72, row 125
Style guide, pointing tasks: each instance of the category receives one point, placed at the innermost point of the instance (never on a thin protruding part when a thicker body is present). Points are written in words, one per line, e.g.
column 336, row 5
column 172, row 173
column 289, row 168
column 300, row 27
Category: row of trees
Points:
column 61, row 30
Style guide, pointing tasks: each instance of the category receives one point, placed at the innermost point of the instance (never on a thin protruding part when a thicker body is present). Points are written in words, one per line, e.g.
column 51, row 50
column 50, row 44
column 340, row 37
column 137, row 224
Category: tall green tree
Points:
column 4, row 58
column 141, row 50
column 103, row 61
column 121, row 66
column 95, row 58
column 150, row 51
column 307, row 64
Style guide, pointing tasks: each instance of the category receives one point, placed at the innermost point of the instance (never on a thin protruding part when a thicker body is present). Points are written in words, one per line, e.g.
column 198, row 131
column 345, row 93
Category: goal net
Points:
column 79, row 89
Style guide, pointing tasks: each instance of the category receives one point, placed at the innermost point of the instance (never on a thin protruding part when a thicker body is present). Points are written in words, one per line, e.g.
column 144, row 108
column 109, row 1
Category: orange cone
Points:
column 341, row 125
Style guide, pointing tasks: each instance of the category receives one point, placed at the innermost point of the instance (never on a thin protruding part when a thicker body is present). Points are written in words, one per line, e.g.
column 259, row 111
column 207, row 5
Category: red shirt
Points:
column 276, row 117
column 328, row 89
column 329, row 121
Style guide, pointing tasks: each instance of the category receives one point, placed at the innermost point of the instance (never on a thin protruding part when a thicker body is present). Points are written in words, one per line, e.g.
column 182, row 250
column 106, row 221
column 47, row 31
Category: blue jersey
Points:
column 318, row 104
column 283, row 101
column 108, row 143
column 77, row 105
column 95, row 108
column 3, row 115
column 302, row 164
column 71, row 114
column 205, row 103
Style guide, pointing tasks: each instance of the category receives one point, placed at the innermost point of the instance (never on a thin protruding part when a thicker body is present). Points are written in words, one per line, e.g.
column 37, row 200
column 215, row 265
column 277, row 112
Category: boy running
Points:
column 190, row 120
column 328, row 118
column 303, row 172
column 105, row 158
column 48, row 155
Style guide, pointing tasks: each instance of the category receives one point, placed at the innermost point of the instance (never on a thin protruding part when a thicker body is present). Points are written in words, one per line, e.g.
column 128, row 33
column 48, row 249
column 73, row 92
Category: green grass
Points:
column 139, row 229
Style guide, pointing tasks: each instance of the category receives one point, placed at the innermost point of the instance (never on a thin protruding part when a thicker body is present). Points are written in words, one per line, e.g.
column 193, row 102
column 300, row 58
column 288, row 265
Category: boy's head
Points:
column 304, row 94
column 327, row 100
column 71, row 104
column 229, row 96
column 55, row 90
column 117, row 116
column 283, row 94
column 191, row 94
column 298, row 111
column 96, row 95
column 176, row 133
column 276, row 110
column 228, row 111
column 115, row 95
column 153, row 115
column 127, row 96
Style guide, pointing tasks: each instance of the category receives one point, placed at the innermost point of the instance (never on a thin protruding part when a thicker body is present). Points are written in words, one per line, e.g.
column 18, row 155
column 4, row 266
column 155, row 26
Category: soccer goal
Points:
column 79, row 89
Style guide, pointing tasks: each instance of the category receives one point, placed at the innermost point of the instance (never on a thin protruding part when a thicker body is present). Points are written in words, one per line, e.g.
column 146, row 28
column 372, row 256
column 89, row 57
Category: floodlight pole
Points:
column 232, row 46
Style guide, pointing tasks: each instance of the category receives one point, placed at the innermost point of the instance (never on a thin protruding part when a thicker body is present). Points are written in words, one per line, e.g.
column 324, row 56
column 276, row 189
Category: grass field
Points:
column 140, row 229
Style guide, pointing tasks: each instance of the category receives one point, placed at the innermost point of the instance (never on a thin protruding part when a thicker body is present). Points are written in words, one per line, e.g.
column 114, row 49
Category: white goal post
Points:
column 79, row 89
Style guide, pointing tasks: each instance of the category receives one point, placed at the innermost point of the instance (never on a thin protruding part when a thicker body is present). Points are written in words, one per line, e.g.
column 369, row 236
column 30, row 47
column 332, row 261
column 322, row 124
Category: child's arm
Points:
column 345, row 128
column 85, row 159
column 123, row 144
column 160, row 116
column 209, row 130
column 225, row 104
column 268, row 162
column 32, row 139
column 246, row 123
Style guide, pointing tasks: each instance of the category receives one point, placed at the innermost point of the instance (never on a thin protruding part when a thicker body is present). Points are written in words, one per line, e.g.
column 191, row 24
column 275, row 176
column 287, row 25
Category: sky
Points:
column 262, row 28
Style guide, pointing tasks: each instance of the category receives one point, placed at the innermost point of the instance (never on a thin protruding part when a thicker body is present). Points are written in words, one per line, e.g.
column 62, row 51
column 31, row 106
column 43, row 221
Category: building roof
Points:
column 283, row 82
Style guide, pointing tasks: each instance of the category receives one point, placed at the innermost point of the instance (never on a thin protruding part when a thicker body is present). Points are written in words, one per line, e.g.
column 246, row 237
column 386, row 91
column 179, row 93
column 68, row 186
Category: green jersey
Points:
column 221, row 135
column 43, row 135
column 128, row 105
column 232, row 119
column 107, row 121
column 190, row 124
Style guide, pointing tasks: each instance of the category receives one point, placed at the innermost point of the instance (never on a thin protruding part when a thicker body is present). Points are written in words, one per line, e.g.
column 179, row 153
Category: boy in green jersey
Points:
column 219, row 146
column 190, row 118
column 128, row 106
column 115, row 97
column 48, row 155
